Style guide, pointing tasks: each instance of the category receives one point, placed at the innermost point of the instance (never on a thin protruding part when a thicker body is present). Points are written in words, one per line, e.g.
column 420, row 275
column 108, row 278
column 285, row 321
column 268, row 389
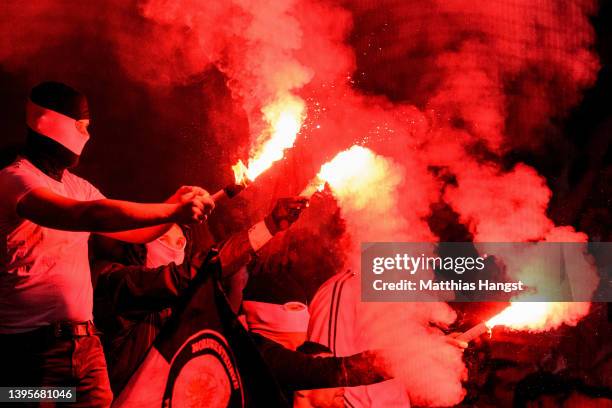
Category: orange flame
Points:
column 347, row 168
column 356, row 169
column 285, row 117
column 523, row 316
column 240, row 173
column 539, row 316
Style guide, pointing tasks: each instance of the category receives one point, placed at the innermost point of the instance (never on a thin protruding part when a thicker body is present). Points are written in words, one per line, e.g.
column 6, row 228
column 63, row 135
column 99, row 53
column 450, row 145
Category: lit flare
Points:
column 522, row 315
column 349, row 171
column 284, row 117
column 529, row 316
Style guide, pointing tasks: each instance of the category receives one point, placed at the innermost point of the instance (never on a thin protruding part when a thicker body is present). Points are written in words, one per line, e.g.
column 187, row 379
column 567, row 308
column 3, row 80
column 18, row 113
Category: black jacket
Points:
column 130, row 307
column 132, row 302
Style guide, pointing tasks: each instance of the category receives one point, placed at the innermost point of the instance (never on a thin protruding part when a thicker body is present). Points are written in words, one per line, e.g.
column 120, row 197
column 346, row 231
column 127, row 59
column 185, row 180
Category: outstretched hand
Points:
column 285, row 212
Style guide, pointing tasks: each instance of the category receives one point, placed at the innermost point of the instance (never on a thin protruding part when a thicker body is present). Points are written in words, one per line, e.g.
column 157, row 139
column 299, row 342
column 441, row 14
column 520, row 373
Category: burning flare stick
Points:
column 533, row 316
column 285, row 117
column 241, row 182
column 474, row 332
column 229, row 191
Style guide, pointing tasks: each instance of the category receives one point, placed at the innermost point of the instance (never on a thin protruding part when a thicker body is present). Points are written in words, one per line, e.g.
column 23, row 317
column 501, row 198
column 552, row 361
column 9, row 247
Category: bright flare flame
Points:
column 285, row 117
column 539, row 316
column 356, row 173
column 348, row 168
column 523, row 315
column 240, row 173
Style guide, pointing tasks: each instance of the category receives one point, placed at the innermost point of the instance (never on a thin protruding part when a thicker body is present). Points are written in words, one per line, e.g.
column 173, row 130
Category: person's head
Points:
column 296, row 263
column 323, row 397
column 57, row 117
column 166, row 249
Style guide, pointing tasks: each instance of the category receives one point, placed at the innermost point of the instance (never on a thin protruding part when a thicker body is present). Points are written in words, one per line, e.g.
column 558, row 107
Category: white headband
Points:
column 291, row 317
column 70, row 133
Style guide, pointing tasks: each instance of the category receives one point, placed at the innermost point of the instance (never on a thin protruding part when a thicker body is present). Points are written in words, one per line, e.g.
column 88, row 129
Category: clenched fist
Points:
column 285, row 212
column 193, row 204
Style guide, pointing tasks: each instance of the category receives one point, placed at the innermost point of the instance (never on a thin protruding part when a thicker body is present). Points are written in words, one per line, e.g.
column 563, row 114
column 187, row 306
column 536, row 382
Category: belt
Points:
column 49, row 333
column 72, row 329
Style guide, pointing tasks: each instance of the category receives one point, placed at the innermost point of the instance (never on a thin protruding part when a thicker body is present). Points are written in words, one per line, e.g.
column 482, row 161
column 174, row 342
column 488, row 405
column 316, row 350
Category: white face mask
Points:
column 70, row 133
column 160, row 253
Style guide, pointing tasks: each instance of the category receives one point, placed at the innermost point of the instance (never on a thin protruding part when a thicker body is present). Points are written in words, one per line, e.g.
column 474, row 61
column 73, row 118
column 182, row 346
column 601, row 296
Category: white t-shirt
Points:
column 44, row 272
column 338, row 320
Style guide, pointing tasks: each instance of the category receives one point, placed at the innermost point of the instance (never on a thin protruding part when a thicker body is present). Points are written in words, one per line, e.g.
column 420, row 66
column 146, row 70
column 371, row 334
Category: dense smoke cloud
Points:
column 257, row 45
column 513, row 65
column 430, row 369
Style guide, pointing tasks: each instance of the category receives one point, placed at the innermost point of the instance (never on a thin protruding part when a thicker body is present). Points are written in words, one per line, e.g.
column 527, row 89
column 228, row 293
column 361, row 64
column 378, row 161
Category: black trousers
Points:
column 34, row 359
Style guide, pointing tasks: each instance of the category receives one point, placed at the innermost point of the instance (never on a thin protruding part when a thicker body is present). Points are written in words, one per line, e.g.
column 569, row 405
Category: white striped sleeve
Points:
column 259, row 235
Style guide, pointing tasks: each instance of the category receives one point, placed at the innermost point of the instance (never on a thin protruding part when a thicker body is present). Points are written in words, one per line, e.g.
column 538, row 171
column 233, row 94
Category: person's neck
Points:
column 47, row 165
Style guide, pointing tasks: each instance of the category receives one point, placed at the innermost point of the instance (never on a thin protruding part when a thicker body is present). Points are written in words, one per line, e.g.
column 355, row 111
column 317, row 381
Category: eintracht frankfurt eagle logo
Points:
column 203, row 374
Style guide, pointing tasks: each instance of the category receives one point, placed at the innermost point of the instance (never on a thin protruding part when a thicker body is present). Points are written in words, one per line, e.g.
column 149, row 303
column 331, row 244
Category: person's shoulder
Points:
column 17, row 179
column 17, row 164
column 339, row 277
column 19, row 167
column 333, row 284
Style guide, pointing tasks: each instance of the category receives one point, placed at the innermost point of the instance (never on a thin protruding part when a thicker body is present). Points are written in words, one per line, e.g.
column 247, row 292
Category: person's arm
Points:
column 139, row 236
column 299, row 371
column 121, row 289
column 44, row 207
column 144, row 235
column 236, row 251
